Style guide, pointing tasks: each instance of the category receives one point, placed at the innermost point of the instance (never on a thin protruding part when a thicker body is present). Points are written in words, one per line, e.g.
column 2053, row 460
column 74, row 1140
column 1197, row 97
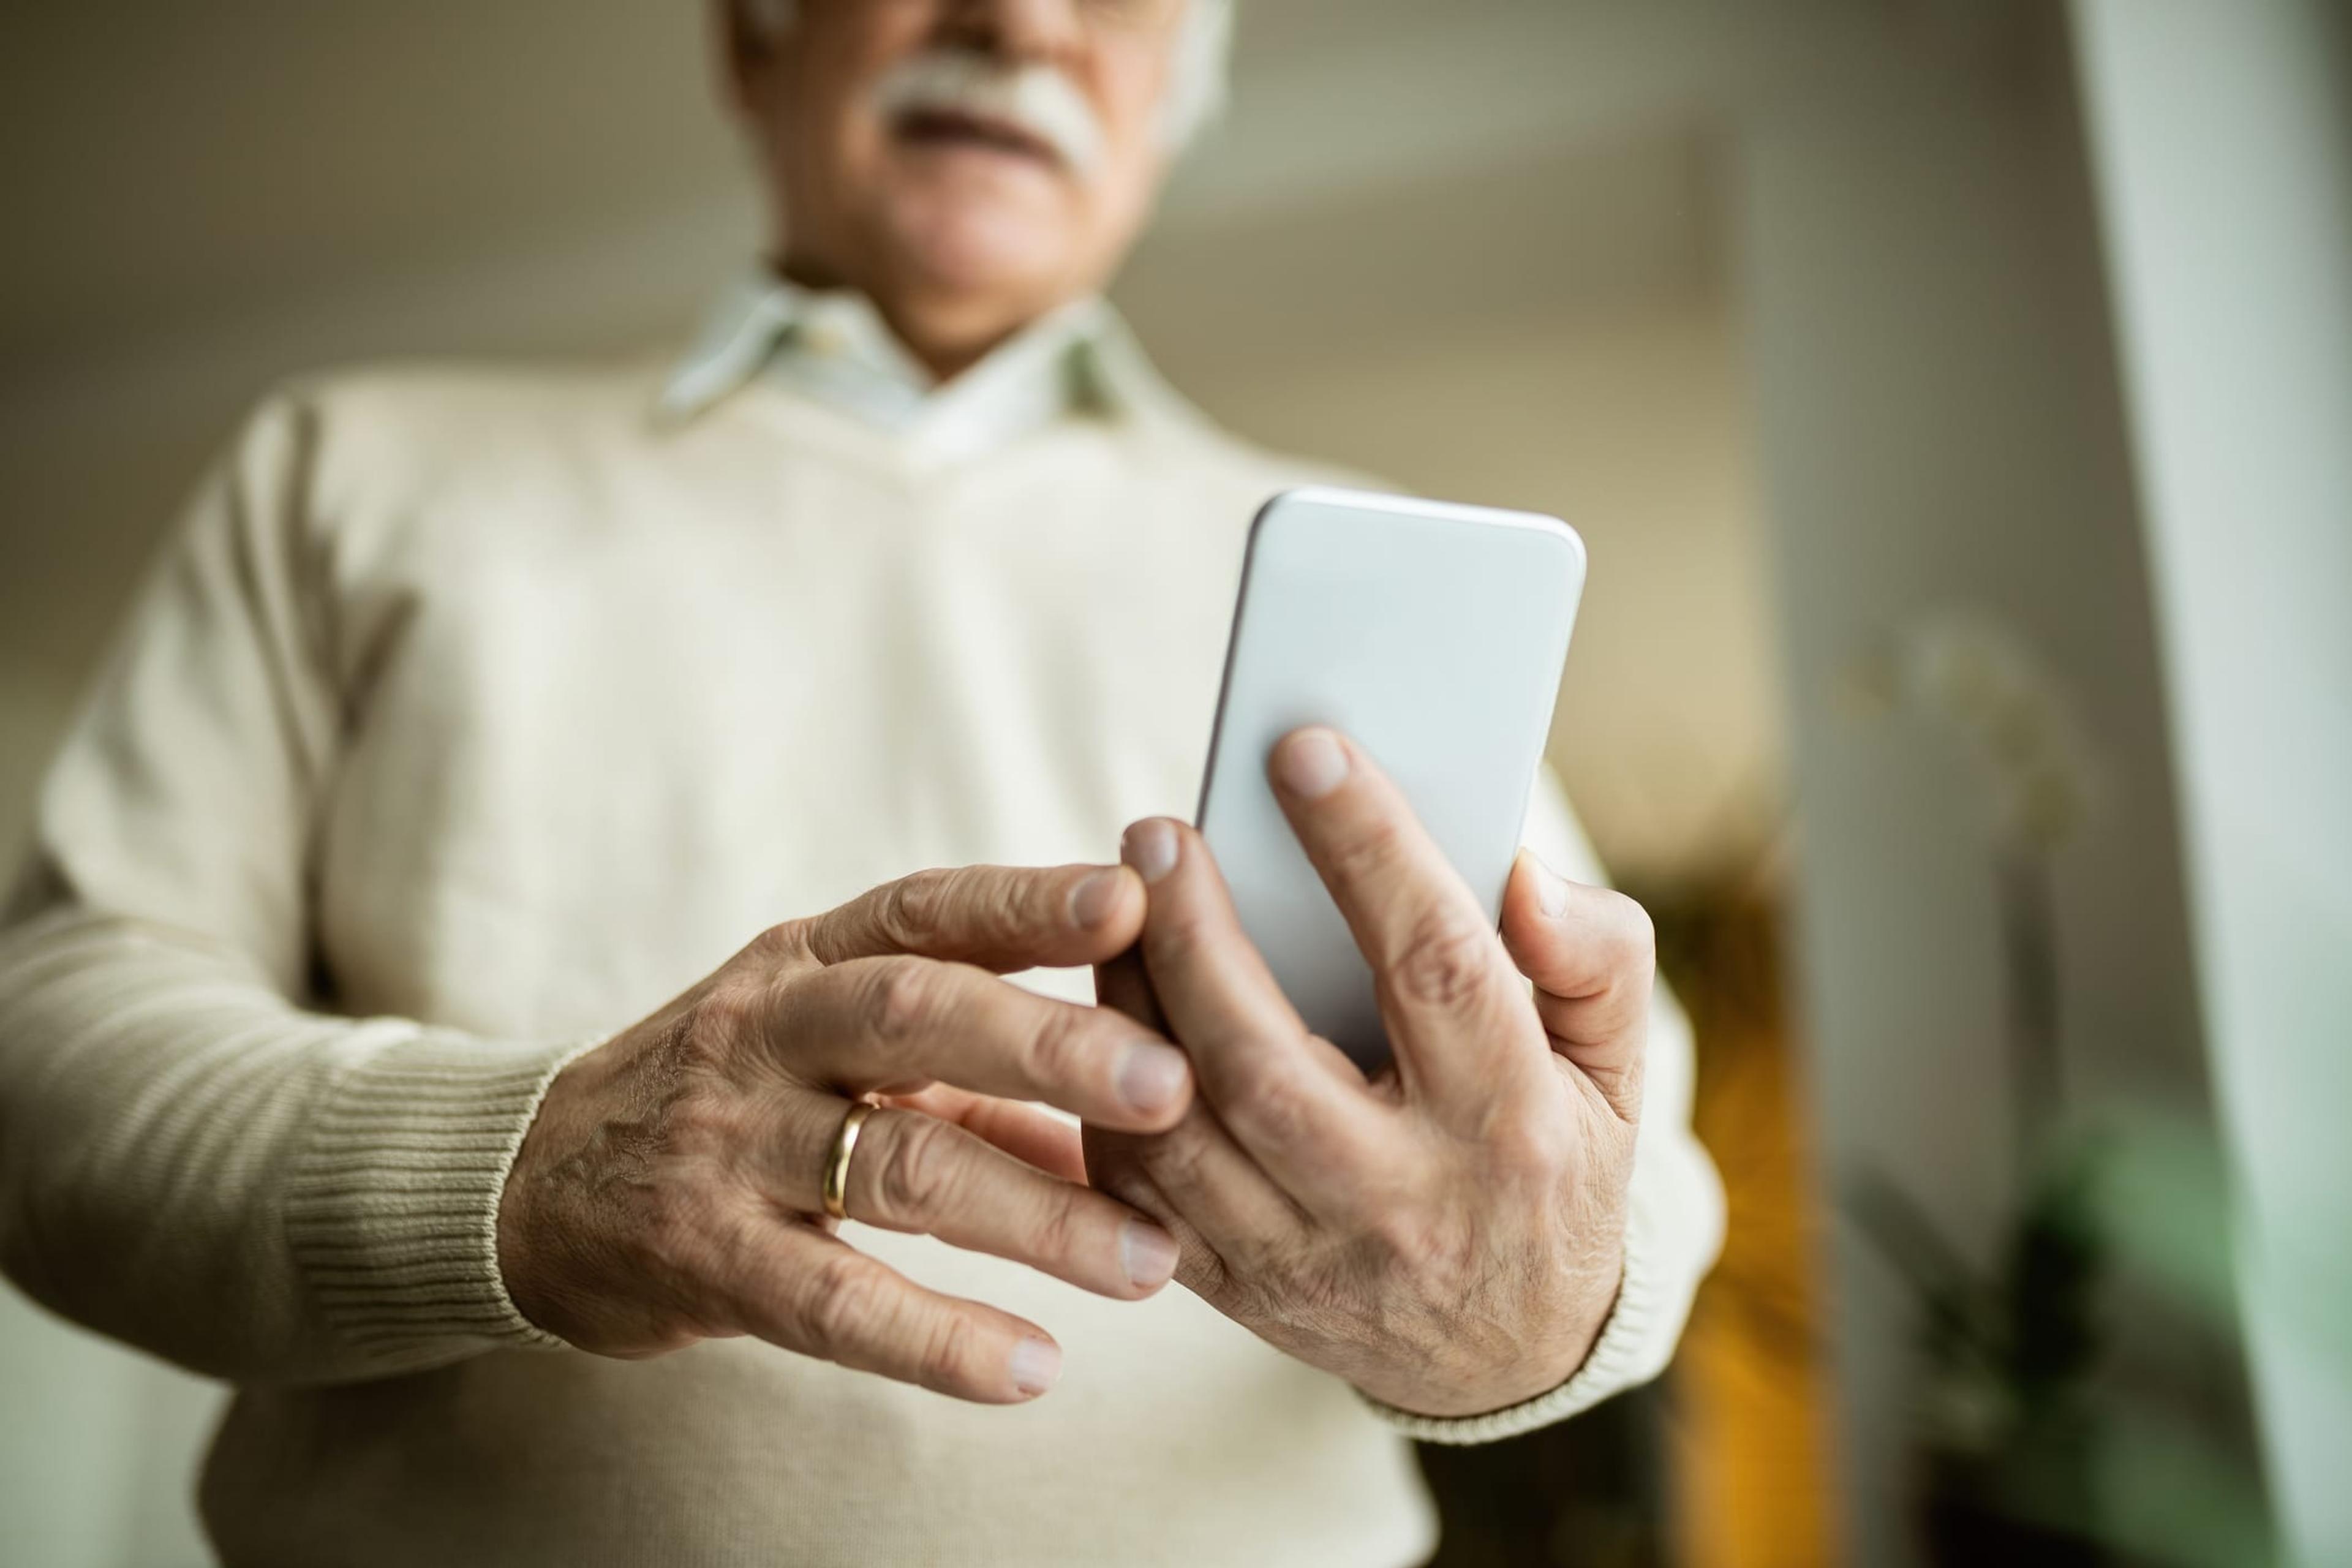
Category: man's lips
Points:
column 952, row 126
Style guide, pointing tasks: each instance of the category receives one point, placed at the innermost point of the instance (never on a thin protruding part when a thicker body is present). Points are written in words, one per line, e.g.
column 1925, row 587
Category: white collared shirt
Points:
column 834, row 347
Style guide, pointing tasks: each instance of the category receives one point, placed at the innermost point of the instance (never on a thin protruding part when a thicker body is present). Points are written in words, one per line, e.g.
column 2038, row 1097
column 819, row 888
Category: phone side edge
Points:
column 1566, row 641
column 1232, row 647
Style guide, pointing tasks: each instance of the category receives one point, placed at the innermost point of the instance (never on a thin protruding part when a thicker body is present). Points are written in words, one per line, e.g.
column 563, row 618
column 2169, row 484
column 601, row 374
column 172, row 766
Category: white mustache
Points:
column 1037, row 99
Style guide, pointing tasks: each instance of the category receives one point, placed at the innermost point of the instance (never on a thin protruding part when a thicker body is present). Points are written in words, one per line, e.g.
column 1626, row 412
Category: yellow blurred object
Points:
column 1753, row 1482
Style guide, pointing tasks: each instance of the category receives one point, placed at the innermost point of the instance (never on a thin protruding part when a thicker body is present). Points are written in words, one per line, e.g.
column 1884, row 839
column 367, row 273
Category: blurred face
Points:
column 969, row 163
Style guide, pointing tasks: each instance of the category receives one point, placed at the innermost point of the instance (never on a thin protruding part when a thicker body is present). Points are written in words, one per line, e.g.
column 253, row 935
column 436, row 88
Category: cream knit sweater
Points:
column 471, row 715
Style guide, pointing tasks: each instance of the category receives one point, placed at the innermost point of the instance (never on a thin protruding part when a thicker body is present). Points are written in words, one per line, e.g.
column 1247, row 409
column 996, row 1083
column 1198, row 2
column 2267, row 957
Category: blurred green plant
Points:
column 2031, row 1450
column 2004, row 1416
column 2034, row 1445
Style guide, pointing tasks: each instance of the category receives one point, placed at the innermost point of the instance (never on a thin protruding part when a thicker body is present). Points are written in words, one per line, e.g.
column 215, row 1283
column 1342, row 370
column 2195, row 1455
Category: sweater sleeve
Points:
column 1673, row 1224
column 189, row 1160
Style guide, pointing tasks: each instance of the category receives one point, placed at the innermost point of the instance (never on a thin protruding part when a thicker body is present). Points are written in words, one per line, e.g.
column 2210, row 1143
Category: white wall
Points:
column 2224, row 136
column 97, row 1450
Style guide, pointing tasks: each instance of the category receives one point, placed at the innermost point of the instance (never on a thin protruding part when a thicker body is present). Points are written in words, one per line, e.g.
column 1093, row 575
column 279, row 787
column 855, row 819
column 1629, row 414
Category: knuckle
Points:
column 1444, row 963
column 1173, row 1160
column 1524, row 1144
column 1057, row 1232
column 1368, row 850
column 911, row 1182
column 1188, row 923
column 729, row 1012
column 1399, row 1233
column 1006, row 903
column 1207, row 1274
column 1059, row 1052
column 950, row 1349
column 779, row 943
column 1276, row 1111
column 1184, row 925
column 902, row 995
column 1009, row 912
column 915, row 906
column 1123, row 1172
column 844, row 1295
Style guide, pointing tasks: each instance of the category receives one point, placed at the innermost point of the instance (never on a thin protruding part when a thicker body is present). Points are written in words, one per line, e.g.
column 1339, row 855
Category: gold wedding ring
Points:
column 836, row 1164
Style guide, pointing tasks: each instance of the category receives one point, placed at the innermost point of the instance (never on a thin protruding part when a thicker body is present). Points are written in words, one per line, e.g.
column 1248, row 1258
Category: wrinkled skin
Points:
column 669, row 1189
column 1448, row 1238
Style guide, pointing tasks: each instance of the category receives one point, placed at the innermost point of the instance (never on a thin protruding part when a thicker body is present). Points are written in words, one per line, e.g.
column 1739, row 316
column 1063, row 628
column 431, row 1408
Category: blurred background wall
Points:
column 1799, row 311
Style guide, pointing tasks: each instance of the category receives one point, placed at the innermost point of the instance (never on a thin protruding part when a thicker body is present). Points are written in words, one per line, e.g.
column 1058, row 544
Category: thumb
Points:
column 1592, row 956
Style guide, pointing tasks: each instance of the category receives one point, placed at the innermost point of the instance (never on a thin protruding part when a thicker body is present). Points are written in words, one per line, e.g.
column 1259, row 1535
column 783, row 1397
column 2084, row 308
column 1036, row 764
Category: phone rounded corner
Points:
column 1576, row 561
column 1580, row 558
column 1280, row 501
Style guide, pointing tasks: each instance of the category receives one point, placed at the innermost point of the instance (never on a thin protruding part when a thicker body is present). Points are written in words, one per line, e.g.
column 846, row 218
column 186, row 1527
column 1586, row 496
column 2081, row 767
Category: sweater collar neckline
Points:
column 833, row 347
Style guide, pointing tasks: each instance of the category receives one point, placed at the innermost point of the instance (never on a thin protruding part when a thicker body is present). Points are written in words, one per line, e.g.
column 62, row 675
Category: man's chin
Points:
column 981, row 253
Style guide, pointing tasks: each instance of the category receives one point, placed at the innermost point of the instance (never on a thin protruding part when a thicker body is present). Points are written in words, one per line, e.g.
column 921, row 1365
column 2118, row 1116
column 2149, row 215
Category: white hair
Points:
column 1200, row 79
column 1197, row 76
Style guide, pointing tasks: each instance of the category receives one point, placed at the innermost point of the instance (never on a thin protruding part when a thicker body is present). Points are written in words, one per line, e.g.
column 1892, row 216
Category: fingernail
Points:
column 1094, row 900
column 1148, row 1254
column 1035, row 1366
column 1312, row 763
column 1152, row 1076
column 1551, row 888
column 1151, row 847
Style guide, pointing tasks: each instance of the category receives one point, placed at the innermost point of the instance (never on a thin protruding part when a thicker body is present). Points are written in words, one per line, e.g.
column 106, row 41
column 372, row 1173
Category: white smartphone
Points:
column 1434, row 636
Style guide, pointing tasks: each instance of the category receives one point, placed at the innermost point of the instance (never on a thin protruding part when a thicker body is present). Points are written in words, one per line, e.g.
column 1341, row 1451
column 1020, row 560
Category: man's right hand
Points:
column 669, row 1189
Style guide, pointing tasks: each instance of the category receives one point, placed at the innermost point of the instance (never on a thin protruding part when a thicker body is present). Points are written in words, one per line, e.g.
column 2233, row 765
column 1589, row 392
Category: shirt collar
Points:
column 834, row 347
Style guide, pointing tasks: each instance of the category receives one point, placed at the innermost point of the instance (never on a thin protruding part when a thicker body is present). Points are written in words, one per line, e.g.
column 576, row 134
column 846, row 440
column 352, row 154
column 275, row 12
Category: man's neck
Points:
column 948, row 332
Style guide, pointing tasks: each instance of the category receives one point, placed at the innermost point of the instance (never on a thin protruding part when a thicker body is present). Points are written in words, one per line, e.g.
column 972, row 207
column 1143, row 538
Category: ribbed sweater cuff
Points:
column 1620, row 1358
column 393, row 1208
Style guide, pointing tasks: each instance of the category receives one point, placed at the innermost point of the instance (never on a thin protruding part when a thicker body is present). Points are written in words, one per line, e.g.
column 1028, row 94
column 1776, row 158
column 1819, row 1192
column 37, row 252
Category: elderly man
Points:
column 472, row 713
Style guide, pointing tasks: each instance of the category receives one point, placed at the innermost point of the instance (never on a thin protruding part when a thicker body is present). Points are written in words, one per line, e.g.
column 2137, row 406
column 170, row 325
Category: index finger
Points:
column 1002, row 918
column 1292, row 1099
column 1456, row 1006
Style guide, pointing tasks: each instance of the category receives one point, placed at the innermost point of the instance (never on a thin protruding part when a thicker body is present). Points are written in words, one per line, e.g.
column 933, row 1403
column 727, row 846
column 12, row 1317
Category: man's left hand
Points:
column 1448, row 1236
